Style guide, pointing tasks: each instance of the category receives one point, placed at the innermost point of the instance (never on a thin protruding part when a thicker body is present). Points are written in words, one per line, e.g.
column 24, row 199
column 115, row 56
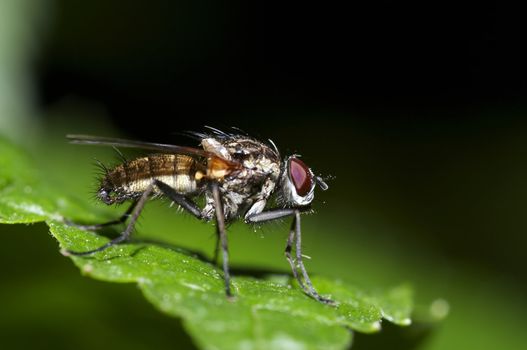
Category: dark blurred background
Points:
column 417, row 109
column 184, row 62
column 429, row 96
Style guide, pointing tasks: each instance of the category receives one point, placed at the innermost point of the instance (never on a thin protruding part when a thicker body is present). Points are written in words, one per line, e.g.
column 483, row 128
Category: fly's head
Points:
column 297, row 183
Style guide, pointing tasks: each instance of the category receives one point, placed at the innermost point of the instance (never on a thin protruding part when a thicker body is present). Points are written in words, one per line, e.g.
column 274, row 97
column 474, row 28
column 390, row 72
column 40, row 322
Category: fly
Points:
column 237, row 175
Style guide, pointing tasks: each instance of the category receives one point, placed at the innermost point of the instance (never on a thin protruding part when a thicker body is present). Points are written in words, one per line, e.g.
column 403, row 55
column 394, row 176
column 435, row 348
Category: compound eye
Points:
column 300, row 176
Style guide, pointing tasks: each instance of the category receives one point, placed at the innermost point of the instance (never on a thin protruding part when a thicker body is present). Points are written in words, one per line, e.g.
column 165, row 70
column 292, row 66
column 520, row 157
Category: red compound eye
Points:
column 301, row 176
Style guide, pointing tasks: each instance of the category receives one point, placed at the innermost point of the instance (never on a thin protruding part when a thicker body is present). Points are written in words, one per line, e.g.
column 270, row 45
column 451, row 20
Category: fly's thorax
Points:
column 253, row 182
column 129, row 180
column 260, row 162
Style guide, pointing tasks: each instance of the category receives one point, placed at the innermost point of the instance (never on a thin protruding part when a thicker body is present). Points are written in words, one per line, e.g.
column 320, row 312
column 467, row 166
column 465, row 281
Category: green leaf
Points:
column 270, row 312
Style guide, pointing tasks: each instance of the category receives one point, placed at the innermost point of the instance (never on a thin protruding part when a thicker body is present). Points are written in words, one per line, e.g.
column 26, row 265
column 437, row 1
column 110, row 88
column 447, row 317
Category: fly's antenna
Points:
column 320, row 181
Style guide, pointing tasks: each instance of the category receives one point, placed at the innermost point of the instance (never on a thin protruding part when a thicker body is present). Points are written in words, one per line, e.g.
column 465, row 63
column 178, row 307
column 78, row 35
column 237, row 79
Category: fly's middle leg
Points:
column 222, row 233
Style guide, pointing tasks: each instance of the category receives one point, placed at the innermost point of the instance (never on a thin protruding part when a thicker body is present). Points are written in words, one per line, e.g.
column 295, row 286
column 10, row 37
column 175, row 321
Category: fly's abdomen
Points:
column 130, row 179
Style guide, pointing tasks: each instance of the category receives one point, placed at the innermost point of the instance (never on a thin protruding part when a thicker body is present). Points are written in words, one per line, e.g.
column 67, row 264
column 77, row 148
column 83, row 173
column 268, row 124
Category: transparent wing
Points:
column 117, row 142
column 160, row 147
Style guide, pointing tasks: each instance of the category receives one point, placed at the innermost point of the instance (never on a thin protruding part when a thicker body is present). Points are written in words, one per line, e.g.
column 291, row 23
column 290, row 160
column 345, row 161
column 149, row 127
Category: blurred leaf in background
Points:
column 22, row 28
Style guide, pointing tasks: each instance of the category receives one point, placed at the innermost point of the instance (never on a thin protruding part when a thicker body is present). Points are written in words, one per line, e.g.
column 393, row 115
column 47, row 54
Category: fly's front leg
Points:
column 125, row 235
column 293, row 240
column 308, row 286
column 289, row 257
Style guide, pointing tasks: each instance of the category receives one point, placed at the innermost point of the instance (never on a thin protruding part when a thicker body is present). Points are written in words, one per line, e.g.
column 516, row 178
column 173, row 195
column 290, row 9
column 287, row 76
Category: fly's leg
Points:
column 185, row 202
column 275, row 214
column 134, row 210
column 191, row 207
column 308, row 286
column 220, row 227
column 125, row 235
column 96, row 227
column 216, row 256
column 269, row 215
column 293, row 240
column 290, row 259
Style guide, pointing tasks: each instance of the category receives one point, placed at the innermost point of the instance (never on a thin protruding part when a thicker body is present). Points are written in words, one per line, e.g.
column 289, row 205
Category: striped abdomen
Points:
column 129, row 180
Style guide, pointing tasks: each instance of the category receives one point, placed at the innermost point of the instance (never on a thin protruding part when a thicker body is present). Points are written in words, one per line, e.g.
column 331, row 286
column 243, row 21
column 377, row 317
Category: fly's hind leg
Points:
column 96, row 227
column 125, row 235
column 133, row 212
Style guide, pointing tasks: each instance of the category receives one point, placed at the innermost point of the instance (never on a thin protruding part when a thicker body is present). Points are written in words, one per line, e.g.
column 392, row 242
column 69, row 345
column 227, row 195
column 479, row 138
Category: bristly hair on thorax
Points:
column 222, row 135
